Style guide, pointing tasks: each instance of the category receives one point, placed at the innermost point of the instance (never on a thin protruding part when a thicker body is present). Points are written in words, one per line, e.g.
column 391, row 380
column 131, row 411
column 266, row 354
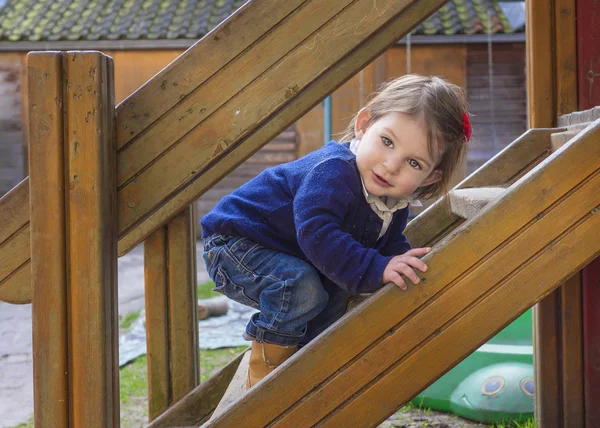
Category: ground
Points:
column 134, row 398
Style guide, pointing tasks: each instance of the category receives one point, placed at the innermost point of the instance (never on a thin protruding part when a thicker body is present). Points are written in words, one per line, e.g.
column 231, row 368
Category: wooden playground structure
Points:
column 104, row 179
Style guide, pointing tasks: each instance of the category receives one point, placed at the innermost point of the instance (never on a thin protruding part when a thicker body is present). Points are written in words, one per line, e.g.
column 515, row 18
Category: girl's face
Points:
column 392, row 157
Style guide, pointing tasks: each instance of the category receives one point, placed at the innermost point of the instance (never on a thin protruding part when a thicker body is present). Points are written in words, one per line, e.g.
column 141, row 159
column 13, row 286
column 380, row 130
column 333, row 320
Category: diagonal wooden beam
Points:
column 197, row 120
column 481, row 276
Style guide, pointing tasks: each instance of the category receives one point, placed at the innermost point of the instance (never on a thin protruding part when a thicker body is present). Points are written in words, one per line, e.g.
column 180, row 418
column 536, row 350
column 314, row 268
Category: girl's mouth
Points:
column 379, row 180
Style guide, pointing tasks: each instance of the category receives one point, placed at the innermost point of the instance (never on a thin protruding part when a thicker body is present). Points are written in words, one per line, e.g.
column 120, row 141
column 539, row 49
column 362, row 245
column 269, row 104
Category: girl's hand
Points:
column 405, row 265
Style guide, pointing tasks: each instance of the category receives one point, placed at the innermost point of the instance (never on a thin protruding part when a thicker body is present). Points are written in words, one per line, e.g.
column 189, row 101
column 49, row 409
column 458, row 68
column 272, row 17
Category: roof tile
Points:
column 53, row 20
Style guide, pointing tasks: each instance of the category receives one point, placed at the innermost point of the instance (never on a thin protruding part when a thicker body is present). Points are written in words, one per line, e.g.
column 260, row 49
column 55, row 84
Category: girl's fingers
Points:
column 417, row 252
column 415, row 262
column 409, row 273
column 399, row 281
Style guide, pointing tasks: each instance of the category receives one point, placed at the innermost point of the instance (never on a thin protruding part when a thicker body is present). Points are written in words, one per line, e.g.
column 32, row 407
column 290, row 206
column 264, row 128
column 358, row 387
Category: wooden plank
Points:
column 565, row 46
column 542, row 110
column 236, row 388
column 183, row 323
column 242, row 111
column 157, row 322
column 452, row 301
column 230, row 38
column 15, row 252
column 196, row 407
column 462, row 252
column 454, row 342
column 14, row 210
column 48, row 239
column 571, row 352
column 91, row 256
column 503, row 168
column 548, row 408
column 541, row 80
column 370, row 48
column 16, row 288
column 244, row 70
column 467, row 203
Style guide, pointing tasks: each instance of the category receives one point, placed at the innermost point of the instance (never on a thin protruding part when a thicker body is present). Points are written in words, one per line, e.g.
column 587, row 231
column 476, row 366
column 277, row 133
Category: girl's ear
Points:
column 434, row 177
column 361, row 125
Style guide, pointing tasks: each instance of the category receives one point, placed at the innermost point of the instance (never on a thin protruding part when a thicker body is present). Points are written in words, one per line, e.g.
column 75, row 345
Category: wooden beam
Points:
column 156, row 293
column 552, row 84
column 327, row 82
column 183, row 304
column 495, row 249
column 171, row 307
column 243, row 119
column 197, row 407
column 48, row 240
column 90, row 187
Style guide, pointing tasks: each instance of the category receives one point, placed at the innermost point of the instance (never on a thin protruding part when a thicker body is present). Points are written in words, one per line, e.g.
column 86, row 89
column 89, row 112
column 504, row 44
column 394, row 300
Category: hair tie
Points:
column 466, row 127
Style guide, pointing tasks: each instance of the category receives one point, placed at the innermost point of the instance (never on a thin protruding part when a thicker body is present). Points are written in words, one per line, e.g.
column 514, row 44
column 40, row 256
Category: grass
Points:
column 134, row 383
column 126, row 321
column 529, row 423
column 205, row 290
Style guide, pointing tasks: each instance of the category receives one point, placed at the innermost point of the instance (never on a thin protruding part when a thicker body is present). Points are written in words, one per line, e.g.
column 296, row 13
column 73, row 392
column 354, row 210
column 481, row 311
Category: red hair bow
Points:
column 467, row 127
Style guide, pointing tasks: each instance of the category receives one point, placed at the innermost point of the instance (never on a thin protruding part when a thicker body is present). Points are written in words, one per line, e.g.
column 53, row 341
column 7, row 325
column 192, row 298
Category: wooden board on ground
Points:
column 236, row 388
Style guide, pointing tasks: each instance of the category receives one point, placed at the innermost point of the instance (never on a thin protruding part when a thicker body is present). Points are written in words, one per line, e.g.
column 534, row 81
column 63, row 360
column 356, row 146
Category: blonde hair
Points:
column 440, row 105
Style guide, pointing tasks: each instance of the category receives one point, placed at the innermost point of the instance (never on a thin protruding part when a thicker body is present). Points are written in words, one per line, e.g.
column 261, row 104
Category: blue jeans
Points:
column 296, row 303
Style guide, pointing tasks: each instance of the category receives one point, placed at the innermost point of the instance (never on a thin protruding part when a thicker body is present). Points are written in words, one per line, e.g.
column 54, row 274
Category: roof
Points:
column 91, row 20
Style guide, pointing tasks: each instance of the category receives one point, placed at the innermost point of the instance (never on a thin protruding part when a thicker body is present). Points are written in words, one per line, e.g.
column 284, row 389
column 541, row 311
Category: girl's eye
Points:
column 387, row 141
column 414, row 163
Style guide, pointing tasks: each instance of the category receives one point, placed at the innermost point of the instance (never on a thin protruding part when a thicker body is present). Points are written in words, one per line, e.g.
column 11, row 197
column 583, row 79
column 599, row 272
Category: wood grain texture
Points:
column 541, row 77
column 197, row 406
column 48, row 239
column 243, row 72
column 91, row 223
column 156, row 294
column 154, row 197
column 183, row 323
column 480, row 252
column 230, row 38
column 565, row 46
column 375, row 44
column 236, row 388
column 171, row 308
column 503, row 169
column 552, row 90
column 571, row 352
column 16, row 288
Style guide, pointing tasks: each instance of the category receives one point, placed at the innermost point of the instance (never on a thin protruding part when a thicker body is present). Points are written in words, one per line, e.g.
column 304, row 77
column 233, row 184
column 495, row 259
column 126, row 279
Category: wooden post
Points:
column 48, row 240
column 552, row 85
column 171, row 305
column 74, row 241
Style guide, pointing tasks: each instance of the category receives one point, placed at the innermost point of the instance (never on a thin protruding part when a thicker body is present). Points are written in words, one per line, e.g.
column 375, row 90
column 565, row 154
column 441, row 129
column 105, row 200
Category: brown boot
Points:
column 264, row 358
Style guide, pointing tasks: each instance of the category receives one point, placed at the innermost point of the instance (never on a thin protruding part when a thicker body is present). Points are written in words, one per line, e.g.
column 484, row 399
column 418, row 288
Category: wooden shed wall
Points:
column 498, row 103
column 12, row 158
column 496, row 91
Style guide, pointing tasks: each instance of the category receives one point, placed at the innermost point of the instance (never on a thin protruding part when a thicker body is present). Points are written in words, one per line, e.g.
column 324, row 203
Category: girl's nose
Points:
column 392, row 166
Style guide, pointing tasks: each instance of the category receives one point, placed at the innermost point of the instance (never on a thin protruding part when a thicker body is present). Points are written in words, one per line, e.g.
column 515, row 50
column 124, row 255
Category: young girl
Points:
column 298, row 240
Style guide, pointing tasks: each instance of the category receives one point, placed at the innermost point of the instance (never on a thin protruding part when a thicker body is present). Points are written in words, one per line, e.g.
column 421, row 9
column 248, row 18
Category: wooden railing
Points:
column 104, row 180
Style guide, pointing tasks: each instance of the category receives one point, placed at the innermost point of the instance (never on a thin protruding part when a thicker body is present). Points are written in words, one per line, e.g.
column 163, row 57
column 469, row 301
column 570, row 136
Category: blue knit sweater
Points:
column 314, row 208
